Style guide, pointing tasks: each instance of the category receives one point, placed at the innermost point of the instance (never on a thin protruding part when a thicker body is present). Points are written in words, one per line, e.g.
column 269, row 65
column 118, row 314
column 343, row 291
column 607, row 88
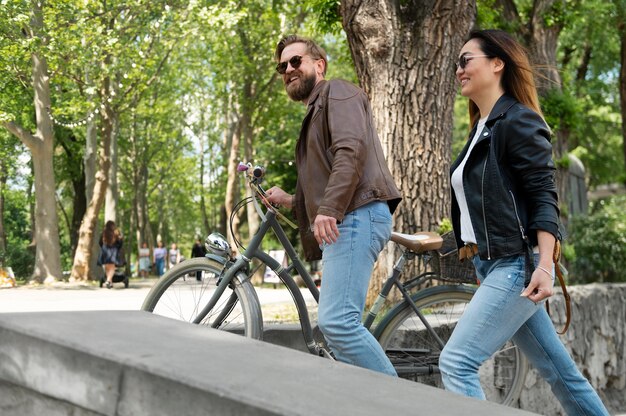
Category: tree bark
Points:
column 541, row 40
column 41, row 144
column 110, row 205
column 79, row 201
column 86, row 237
column 90, row 163
column 404, row 53
column 3, row 236
column 203, row 209
column 232, row 186
column 622, row 77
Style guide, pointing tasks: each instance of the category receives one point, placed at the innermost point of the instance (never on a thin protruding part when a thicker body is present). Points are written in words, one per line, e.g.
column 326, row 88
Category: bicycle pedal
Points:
column 326, row 353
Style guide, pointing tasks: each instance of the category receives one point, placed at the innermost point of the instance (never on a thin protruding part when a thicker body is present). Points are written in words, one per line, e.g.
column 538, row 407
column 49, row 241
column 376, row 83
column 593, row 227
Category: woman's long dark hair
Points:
column 110, row 235
column 517, row 78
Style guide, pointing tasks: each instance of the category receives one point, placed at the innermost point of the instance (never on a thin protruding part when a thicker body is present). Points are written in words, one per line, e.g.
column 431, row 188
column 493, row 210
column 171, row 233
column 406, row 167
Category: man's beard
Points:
column 303, row 90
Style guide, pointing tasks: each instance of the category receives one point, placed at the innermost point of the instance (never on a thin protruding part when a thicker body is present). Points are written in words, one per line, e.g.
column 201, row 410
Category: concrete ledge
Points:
column 136, row 363
column 286, row 335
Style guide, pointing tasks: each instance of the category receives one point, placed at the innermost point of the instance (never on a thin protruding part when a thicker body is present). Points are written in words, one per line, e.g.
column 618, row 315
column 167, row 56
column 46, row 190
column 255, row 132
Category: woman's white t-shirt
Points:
column 467, row 231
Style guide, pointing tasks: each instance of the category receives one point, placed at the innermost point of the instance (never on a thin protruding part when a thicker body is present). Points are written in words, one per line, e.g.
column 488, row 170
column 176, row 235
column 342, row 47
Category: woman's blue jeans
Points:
column 498, row 313
column 347, row 268
column 160, row 266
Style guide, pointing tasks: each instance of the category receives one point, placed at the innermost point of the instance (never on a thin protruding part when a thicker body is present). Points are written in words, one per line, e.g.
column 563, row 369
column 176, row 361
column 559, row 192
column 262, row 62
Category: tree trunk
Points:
column 79, row 201
column 90, row 163
column 254, row 222
column 203, row 210
column 79, row 209
column 86, row 237
column 232, row 185
column 110, row 205
column 622, row 79
column 248, row 137
column 3, row 236
column 542, row 46
column 404, row 53
column 48, row 254
column 541, row 40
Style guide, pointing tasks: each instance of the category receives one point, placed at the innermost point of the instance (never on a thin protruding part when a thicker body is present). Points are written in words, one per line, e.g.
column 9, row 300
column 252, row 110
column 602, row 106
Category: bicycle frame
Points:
column 416, row 359
column 270, row 222
column 253, row 251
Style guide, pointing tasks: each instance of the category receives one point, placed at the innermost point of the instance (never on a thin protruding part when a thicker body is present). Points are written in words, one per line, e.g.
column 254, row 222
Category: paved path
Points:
column 89, row 297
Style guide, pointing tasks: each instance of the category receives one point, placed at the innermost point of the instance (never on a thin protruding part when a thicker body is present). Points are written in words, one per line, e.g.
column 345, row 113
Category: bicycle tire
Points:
column 407, row 343
column 179, row 295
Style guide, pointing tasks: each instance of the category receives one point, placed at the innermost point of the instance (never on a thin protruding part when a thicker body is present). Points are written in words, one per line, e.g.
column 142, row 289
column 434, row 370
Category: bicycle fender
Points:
column 216, row 258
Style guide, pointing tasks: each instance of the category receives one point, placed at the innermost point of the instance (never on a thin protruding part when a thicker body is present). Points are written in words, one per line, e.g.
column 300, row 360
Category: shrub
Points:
column 597, row 243
column 21, row 260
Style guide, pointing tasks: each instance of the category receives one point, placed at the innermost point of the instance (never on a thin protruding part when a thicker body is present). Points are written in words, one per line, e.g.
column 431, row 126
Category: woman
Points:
column 159, row 255
column 173, row 256
column 144, row 260
column 505, row 213
column 110, row 251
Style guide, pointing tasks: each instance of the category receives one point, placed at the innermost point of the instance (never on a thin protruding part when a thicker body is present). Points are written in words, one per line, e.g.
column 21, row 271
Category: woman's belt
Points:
column 468, row 251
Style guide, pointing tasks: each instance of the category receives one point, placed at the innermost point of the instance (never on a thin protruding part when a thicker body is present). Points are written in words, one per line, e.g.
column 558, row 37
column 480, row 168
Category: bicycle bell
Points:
column 216, row 243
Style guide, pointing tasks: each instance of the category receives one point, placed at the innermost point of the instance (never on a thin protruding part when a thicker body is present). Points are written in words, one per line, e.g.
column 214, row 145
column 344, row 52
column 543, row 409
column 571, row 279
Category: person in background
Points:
column 111, row 254
column 173, row 256
column 144, row 260
column 159, row 255
column 198, row 250
column 344, row 197
column 505, row 217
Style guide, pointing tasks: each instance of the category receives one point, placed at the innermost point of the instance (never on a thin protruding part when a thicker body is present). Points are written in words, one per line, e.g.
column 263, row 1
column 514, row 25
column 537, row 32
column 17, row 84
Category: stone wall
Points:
column 596, row 339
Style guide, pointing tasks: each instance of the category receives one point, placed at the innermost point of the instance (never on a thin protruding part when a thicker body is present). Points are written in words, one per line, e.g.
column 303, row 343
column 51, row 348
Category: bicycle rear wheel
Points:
column 415, row 353
column 178, row 294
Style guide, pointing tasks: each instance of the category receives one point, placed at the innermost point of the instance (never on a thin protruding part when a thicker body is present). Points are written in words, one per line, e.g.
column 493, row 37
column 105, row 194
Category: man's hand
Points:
column 540, row 286
column 325, row 229
column 278, row 197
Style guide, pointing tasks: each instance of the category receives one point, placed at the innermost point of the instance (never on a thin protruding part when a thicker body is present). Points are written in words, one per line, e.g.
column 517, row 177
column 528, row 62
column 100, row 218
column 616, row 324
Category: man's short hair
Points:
column 313, row 49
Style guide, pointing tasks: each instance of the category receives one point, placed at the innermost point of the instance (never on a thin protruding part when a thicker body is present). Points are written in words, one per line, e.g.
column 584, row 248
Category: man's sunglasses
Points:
column 295, row 62
column 464, row 59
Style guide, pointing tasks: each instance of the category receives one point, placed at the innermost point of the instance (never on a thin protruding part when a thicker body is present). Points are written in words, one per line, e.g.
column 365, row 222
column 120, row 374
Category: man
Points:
column 198, row 250
column 345, row 195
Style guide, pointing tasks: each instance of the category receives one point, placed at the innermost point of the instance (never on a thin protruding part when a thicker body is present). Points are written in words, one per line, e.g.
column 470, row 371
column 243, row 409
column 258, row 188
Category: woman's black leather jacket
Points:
column 509, row 182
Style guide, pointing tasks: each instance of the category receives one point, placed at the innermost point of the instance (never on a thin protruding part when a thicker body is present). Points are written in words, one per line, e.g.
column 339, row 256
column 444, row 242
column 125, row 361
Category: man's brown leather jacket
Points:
column 340, row 161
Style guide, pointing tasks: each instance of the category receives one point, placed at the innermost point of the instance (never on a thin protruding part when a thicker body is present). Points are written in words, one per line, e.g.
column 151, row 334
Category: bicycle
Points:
column 413, row 331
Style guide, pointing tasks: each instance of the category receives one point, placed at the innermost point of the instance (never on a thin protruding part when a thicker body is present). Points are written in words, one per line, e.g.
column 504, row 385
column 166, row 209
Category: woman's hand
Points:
column 541, row 282
column 540, row 286
column 278, row 197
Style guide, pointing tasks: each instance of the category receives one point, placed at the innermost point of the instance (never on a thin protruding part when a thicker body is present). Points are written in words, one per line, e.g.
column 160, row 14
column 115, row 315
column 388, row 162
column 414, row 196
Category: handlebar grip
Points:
column 258, row 172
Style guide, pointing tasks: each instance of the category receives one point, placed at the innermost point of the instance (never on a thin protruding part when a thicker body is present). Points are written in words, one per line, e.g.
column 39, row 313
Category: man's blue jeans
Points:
column 347, row 268
column 498, row 313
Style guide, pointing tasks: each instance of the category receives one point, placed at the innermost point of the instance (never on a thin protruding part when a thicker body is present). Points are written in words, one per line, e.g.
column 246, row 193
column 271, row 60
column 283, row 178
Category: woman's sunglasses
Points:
column 294, row 61
column 464, row 59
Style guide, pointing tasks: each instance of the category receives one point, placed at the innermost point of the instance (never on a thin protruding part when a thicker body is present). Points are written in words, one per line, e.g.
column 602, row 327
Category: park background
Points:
column 139, row 111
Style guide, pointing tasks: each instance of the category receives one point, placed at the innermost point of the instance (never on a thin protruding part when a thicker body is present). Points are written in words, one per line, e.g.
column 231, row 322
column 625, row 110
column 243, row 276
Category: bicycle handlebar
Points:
column 255, row 177
column 257, row 172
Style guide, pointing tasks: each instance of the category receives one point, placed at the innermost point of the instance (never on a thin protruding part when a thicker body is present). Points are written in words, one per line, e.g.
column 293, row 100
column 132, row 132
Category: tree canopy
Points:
column 172, row 93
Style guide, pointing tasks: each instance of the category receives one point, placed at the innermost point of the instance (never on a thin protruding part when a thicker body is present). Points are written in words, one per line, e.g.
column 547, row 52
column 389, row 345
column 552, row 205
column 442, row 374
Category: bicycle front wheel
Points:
column 415, row 353
column 184, row 290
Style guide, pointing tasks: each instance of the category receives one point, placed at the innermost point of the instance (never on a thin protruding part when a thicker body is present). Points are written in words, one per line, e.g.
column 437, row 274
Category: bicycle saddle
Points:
column 418, row 243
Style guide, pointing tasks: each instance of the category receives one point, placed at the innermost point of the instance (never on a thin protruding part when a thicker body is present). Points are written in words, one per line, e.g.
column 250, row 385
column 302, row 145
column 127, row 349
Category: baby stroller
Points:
column 119, row 276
